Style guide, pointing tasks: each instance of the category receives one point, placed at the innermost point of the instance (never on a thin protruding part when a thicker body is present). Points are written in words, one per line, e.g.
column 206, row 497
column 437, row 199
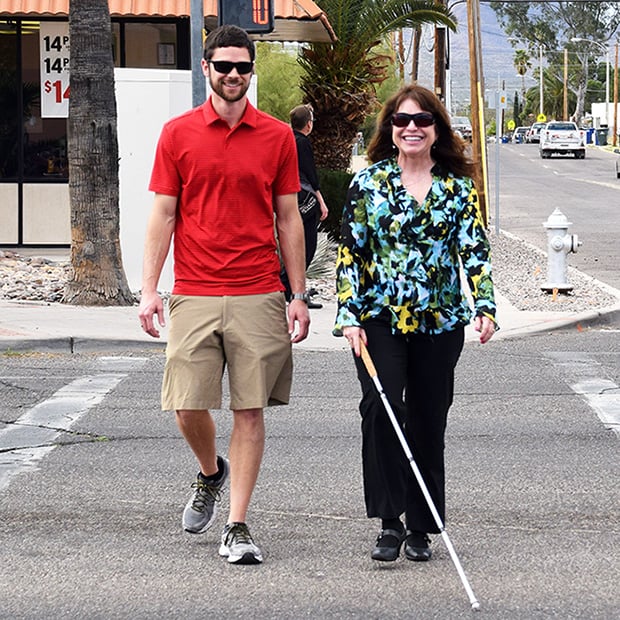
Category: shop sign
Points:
column 54, row 46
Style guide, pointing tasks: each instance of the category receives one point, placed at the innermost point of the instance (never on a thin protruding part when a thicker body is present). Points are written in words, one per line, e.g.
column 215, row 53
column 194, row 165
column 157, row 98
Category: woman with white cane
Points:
column 410, row 219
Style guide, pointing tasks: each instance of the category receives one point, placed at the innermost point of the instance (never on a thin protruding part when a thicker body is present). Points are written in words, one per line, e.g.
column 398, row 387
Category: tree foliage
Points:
column 278, row 75
column 553, row 26
column 340, row 79
column 522, row 65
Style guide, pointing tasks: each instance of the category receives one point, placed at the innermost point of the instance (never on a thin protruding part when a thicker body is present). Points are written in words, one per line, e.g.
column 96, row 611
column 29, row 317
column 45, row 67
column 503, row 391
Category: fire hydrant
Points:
column 559, row 244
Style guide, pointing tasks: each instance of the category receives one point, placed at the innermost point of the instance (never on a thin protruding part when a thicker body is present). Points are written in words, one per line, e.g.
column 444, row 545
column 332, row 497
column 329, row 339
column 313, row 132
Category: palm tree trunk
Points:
column 98, row 276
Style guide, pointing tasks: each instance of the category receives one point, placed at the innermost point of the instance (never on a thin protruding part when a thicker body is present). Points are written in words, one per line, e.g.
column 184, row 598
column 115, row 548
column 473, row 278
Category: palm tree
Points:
column 98, row 278
column 522, row 64
column 339, row 79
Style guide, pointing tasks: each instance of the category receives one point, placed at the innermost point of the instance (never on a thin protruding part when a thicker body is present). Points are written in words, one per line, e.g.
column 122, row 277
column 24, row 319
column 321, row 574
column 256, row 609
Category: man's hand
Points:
column 298, row 313
column 151, row 304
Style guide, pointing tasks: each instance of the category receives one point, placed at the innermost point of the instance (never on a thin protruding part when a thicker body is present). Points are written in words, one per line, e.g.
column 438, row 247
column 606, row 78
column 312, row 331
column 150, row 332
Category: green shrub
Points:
column 334, row 186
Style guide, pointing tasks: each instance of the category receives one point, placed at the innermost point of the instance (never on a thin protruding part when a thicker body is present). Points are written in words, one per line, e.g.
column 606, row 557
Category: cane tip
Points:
column 475, row 606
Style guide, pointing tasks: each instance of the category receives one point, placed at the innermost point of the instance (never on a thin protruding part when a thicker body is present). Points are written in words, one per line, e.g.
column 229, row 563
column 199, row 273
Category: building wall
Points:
column 146, row 99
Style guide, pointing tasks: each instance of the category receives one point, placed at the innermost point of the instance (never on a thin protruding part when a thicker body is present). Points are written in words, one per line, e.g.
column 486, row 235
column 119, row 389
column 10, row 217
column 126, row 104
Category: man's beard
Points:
column 218, row 88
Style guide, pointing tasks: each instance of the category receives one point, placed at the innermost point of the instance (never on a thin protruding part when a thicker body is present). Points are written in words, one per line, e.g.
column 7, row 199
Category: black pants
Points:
column 417, row 375
column 311, row 225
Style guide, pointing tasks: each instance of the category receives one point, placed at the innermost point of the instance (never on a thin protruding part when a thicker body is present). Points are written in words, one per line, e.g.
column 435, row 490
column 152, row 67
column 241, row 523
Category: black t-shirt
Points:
column 305, row 158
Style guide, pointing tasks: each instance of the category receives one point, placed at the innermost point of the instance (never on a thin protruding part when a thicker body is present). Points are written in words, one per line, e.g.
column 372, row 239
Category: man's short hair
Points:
column 300, row 116
column 228, row 36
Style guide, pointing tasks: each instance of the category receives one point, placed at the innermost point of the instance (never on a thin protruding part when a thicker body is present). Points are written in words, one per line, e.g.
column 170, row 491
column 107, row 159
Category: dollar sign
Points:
column 48, row 86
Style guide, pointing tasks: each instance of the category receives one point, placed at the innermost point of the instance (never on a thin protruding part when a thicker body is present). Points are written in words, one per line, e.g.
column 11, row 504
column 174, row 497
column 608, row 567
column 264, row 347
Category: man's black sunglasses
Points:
column 421, row 119
column 226, row 66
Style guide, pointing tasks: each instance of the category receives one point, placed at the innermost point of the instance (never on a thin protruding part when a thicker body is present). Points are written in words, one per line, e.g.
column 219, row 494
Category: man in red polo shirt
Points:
column 222, row 172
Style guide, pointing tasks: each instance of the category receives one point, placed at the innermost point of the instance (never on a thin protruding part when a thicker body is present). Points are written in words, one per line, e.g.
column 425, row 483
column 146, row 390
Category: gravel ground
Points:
column 519, row 271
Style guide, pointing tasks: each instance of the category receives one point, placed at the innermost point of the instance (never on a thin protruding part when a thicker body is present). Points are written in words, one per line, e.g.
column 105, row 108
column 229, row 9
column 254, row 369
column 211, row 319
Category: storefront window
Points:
column 9, row 100
column 45, row 139
column 33, row 147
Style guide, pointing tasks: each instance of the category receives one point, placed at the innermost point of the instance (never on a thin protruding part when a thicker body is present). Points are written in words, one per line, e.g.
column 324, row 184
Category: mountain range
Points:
column 497, row 58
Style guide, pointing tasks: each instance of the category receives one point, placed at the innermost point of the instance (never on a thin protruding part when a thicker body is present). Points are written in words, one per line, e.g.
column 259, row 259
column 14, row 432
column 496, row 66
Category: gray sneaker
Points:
column 238, row 546
column 201, row 508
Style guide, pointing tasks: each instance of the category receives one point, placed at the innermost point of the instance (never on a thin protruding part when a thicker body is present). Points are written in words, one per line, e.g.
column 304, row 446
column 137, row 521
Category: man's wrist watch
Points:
column 303, row 296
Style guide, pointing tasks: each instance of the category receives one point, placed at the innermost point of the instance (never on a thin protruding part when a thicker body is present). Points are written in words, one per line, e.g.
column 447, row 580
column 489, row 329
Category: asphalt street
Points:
column 94, row 477
column 91, row 529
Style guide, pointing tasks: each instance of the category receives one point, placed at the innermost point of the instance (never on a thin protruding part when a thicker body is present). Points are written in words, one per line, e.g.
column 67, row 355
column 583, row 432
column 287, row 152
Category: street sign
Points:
column 541, row 118
column 496, row 99
column 511, row 125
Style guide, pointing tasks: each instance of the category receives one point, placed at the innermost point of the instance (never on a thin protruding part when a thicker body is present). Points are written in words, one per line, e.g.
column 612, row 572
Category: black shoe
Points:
column 314, row 305
column 416, row 546
column 387, row 547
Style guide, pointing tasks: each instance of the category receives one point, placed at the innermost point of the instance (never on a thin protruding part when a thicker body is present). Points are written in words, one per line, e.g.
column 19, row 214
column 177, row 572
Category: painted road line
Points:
column 30, row 438
column 603, row 396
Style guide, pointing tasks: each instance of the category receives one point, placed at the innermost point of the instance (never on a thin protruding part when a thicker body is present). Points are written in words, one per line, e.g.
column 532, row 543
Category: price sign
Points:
column 54, row 52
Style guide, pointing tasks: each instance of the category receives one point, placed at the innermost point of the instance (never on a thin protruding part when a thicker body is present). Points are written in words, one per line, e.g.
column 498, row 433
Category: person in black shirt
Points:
column 310, row 201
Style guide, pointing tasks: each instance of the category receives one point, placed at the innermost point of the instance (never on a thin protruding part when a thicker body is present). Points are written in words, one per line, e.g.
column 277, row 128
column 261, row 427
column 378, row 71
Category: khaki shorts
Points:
column 247, row 334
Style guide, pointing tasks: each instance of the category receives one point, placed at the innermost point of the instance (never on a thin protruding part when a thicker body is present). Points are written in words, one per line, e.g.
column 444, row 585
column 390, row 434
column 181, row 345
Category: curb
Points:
column 77, row 345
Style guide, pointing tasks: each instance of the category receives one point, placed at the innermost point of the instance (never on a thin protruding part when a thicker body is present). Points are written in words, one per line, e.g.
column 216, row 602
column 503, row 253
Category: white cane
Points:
column 372, row 371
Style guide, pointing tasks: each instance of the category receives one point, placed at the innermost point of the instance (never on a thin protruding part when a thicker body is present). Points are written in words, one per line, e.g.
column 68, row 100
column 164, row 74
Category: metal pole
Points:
column 498, row 122
column 541, row 78
column 607, row 87
column 615, row 136
column 196, row 27
column 565, row 102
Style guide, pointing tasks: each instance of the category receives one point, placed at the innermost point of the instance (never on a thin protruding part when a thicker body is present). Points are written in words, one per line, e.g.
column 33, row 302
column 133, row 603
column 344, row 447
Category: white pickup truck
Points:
column 563, row 137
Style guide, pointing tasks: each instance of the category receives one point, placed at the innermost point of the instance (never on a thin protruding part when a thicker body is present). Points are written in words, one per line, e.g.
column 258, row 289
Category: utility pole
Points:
column 477, row 106
column 565, row 106
column 440, row 58
column 401, row 56
column 415, row 55
column 615, row 138
column 197, row 20
column 540, row 79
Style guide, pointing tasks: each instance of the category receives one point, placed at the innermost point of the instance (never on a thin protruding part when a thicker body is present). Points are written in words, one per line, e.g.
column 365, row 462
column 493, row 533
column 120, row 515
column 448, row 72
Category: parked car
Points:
column 518, row 135
column 564, row 138
column 533, row 134
column 462, row 126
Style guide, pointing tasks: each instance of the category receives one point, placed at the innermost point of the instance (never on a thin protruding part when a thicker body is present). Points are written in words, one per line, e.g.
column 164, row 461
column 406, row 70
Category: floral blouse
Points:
column 399, row 256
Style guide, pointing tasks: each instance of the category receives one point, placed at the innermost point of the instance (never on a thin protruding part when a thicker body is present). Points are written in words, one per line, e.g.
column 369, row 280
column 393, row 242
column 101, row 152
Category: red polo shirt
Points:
column 225, row 181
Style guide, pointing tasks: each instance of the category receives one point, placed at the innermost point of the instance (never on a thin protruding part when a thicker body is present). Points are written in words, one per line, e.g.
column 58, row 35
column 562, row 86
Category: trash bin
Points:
column 601, row 136
column 590, row 135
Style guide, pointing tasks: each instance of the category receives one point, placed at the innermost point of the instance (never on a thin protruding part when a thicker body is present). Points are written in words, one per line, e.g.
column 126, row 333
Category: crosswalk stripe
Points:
column 27, row 440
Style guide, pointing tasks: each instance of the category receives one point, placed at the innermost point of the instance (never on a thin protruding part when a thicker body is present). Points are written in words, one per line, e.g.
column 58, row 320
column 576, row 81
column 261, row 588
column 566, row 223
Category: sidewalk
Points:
column 46, row 327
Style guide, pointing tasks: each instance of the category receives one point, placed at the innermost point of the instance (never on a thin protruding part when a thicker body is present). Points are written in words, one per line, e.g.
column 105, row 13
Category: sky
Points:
column 497, row 57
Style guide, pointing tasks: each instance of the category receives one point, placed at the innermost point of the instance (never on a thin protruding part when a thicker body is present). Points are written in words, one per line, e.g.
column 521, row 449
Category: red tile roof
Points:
column 312, row 21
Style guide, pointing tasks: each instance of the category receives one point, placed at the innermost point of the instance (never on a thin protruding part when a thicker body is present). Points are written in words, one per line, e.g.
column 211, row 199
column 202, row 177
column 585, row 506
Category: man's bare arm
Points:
column 157, row 241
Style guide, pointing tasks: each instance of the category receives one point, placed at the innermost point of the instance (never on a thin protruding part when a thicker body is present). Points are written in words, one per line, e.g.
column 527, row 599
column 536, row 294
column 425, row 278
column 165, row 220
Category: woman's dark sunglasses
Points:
column 226, row 66
column 421, row 119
